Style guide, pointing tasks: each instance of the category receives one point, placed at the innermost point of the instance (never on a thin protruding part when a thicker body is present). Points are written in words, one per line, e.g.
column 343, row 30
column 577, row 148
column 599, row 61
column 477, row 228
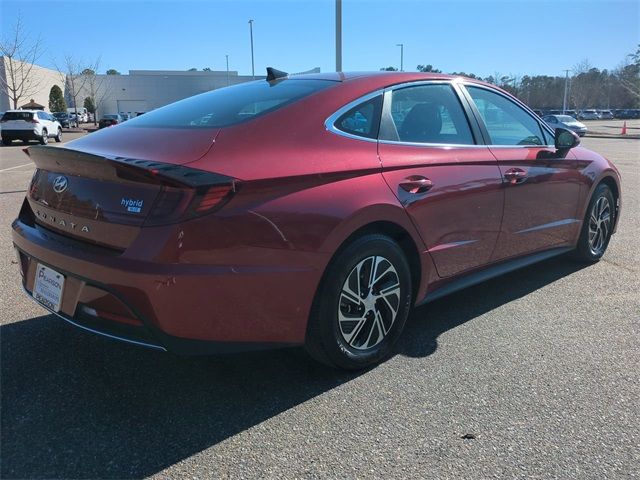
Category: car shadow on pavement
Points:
column 77, row 406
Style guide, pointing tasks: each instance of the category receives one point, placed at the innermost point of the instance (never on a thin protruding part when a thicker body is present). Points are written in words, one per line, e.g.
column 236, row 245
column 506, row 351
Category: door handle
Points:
column 416, row 184
column 515, row 175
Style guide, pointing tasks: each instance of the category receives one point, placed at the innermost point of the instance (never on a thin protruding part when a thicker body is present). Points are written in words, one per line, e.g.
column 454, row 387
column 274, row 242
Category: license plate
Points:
column 48, row 287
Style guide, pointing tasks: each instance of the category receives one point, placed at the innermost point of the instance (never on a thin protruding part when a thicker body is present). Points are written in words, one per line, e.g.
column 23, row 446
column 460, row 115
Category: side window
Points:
column 362, row 120
column 506, row 122
column 428, row 114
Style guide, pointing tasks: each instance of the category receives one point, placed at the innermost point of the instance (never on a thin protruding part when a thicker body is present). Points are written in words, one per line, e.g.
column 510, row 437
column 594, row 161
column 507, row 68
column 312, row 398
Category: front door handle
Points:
column 515, row 175
column 416, row 184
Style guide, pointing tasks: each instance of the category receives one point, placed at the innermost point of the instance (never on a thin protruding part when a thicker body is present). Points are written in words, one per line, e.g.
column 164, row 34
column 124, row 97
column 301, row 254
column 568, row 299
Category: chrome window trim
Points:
column 433, row 145
column 329, row 123
column 331, row 120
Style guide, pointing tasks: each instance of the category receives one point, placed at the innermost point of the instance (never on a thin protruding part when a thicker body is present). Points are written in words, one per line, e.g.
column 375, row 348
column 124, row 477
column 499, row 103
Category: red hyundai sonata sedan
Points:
column 310, row 210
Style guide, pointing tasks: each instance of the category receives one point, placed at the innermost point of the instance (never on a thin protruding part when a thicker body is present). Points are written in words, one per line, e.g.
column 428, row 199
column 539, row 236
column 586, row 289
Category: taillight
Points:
column 213, row 197
column 187, row 193
column 34, row 120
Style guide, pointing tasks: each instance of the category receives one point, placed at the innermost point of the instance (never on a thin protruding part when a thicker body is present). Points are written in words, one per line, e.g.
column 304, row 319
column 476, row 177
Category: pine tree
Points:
column 56, row 100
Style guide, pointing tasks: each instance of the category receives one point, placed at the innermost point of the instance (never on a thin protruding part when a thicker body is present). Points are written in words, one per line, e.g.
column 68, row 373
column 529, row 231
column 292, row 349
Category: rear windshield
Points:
column 17, row 116
column 110, row 117
column 230, row 105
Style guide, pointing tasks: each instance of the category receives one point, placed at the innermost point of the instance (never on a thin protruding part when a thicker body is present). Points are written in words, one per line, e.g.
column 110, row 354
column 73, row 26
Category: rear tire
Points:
column 44, row 139
column 59, row 136
column 597, row 226
column 361, row 305
column 6, row 141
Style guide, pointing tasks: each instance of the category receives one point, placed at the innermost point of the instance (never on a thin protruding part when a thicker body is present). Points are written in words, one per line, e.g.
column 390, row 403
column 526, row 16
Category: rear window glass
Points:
column 230, row 105
column 362, row 120
column 17, row 116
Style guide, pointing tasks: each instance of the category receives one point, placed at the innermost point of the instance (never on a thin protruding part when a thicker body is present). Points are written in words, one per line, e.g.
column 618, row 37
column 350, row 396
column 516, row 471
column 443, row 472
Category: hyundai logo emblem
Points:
column 60, row 184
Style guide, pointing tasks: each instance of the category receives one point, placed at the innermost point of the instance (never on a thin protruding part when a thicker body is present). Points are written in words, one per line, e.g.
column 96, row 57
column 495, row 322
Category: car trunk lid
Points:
column 105, row 199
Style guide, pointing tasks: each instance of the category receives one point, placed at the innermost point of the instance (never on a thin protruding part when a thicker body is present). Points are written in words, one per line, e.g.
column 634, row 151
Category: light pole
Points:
column 227, row 56
column 338, row 35
column 401, row 45
column 566, row 86
column 253, row 69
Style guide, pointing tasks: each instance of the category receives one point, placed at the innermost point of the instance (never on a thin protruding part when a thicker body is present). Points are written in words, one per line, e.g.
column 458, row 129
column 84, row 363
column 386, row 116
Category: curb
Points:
column 625, row 137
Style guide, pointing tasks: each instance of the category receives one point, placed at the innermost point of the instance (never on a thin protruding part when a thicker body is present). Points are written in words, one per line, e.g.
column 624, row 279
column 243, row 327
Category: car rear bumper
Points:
column 183, row 308
column 20, row 135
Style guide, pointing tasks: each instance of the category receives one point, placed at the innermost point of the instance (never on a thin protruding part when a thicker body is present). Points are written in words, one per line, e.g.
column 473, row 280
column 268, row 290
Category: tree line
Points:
column 587, row 86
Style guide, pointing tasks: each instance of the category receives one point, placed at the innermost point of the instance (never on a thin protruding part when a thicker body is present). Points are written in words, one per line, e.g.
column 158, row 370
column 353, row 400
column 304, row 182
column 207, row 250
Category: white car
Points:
column 29, row 125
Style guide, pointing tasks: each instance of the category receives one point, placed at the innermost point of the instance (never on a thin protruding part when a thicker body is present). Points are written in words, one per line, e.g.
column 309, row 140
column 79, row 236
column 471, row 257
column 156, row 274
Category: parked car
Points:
column 588, row 115
column 571, row 113
column 28, row 125
column 315, row 210
column 81, row 113
column 605, row 114
column 565, row 121
column 64, row 119
column 109, row 120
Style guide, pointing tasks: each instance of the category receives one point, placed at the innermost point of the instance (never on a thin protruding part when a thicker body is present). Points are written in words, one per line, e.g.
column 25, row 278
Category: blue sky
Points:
column 481, row 37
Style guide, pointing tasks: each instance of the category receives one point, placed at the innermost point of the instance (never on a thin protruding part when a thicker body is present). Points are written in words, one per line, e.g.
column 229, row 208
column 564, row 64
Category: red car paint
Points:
column 247, row 273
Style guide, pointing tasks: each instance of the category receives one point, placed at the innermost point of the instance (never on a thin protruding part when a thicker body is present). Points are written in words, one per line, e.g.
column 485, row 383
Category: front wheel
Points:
column 362, row 304
column 44, row 139
column 597, row 226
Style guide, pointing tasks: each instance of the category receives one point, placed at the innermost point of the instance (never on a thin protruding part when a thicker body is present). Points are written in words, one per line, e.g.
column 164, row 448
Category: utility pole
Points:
column 401, row 45
column 227, row 69
column 338, row 35
column 253, row 69
column 566, row 86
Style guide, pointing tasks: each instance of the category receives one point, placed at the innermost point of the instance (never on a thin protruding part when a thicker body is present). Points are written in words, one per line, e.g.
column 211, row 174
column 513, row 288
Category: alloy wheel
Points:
column 599, row 225
column 369, row 302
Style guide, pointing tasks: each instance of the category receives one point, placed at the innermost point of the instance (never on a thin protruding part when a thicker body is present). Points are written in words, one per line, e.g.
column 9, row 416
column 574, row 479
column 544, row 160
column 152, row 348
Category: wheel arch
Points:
column 612, row 182
column 393, row 222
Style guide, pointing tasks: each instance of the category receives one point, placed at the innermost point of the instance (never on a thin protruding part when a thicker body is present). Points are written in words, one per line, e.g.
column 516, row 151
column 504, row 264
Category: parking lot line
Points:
column 17, row 166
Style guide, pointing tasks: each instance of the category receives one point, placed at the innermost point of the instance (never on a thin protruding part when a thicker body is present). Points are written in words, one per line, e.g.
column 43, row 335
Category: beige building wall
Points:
column 40, row 82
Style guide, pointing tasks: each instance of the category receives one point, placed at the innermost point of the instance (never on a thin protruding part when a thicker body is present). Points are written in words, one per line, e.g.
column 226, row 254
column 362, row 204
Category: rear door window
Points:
column 428, row 114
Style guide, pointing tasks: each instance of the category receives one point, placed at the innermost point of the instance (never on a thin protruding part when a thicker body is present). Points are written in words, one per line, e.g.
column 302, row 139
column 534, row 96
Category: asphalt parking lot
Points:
column 531, row 375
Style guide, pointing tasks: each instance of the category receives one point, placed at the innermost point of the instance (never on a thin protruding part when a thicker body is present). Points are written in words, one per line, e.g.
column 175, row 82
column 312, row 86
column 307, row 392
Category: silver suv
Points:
column 29, row 125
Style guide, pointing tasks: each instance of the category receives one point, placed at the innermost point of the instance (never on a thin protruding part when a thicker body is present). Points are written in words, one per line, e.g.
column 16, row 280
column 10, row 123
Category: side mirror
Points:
column 566, row 139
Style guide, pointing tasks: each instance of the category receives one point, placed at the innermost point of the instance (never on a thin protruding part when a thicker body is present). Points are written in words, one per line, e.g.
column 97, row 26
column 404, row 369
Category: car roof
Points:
column 383, row 79
column 392, row 77
column 24, row 111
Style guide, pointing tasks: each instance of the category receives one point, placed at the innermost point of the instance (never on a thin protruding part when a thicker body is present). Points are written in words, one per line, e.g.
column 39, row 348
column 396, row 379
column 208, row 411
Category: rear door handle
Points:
column 515, row 175
column 416, row 184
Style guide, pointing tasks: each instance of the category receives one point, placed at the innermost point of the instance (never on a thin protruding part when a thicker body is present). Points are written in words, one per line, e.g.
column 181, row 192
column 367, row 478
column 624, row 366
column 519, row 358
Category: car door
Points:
column 448, row 183
column 541, row 185
column 52, row 127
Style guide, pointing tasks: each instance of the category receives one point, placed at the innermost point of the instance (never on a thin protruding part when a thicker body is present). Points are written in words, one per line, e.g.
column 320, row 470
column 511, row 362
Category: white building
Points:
column 139, row 91
column 145, row 90
column 36, row 85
